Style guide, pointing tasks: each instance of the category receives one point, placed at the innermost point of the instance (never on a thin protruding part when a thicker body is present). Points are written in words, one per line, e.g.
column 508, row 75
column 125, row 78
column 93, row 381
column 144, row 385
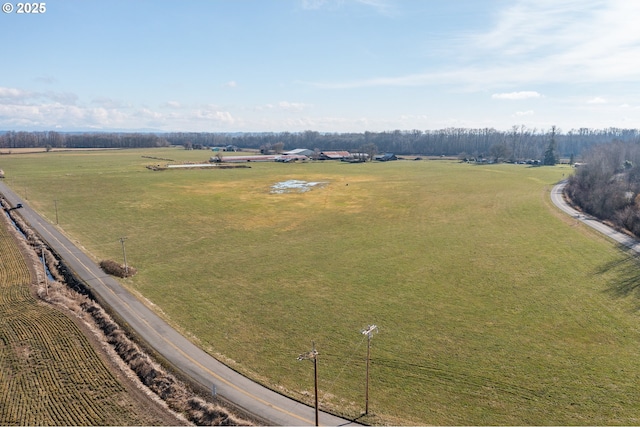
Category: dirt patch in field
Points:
column 295, row 186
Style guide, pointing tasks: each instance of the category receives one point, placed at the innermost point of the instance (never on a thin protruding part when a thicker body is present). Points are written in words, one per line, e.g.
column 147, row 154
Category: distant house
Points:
column 299, row 152
column 386, row 157
column 334, row 155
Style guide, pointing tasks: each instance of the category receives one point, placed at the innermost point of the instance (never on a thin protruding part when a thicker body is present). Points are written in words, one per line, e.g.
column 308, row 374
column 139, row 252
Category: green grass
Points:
column 493, row 307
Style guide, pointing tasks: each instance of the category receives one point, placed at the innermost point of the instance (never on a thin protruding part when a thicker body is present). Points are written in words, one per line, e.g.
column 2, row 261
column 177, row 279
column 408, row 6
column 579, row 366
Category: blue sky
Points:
column 325, row 65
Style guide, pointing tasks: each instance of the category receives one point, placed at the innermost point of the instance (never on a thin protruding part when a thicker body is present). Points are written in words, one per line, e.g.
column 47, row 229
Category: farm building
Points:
column 285, row 158
column 360, row 156
column 299, row 152
column 334, row 155
column 230, row 159
column 386, row 157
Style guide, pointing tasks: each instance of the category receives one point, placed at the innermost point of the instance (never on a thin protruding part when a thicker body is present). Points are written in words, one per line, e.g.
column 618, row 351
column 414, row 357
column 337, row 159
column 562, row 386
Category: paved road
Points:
column 558, row 199
column 190, row 359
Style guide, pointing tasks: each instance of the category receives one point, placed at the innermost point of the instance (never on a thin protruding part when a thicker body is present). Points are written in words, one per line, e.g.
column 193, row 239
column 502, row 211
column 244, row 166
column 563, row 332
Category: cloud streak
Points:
column 537, row 42
column 516, row 95
column 8, row 93
column 50, row 110
column 382, row 7
column 597, row 100
column 584, row 40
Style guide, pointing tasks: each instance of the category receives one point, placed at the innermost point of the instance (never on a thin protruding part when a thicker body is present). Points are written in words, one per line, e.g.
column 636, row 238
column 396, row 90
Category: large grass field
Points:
column 492, row 306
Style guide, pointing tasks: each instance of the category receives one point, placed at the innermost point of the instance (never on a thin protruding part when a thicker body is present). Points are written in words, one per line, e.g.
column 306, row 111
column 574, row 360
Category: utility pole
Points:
column 124, row 255
column 55, row 203
column 313, row 355
column 369, row 333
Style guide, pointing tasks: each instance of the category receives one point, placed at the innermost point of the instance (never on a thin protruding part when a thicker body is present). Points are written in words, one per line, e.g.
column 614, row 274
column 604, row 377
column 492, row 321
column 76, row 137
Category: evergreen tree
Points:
column 550, row 158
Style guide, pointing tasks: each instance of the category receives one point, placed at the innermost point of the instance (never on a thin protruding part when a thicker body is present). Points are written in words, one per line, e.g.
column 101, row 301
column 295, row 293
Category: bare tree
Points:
column 370, row 149
column 278, row 147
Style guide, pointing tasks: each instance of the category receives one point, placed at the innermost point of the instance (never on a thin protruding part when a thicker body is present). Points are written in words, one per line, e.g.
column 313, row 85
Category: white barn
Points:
column 299, row 152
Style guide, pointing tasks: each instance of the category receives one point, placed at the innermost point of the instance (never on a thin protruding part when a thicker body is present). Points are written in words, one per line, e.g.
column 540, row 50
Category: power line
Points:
column 345, row 365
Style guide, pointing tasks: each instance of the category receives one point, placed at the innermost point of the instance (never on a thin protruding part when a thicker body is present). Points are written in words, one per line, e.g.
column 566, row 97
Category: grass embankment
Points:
column 493, row 308
column 49, row 373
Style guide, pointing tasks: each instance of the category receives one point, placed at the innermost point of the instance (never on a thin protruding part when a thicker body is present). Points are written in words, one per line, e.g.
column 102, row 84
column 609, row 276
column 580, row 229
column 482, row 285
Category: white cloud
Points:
column 523, row 113
column 292, row 106
column 516, row 95
column 536, row 41
column 527, row 27
column 145, row 113
column 22, row 96
column 570, row 40
column 214, row 116
column 55, row 115
column 7, row 92
column 597, row 100
column 231, row 83
column 109, row 103
column 51, row 110
column 284, row 106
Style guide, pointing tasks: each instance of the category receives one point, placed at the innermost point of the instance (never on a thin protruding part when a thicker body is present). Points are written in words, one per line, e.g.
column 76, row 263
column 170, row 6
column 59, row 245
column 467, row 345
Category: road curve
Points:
column 182, row 353
column 557, row 197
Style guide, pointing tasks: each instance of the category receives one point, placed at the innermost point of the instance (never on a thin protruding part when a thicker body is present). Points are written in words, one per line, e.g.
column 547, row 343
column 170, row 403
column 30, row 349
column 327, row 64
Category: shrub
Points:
column 113, row 268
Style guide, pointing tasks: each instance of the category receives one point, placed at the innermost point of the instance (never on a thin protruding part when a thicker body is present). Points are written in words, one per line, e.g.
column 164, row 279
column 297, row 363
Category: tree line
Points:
column 607, row 184
column 517, row 143
column 53, row 139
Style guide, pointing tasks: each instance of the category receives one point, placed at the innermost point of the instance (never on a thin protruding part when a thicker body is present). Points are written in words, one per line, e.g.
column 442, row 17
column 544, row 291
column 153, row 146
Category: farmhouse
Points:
column 334, row 155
